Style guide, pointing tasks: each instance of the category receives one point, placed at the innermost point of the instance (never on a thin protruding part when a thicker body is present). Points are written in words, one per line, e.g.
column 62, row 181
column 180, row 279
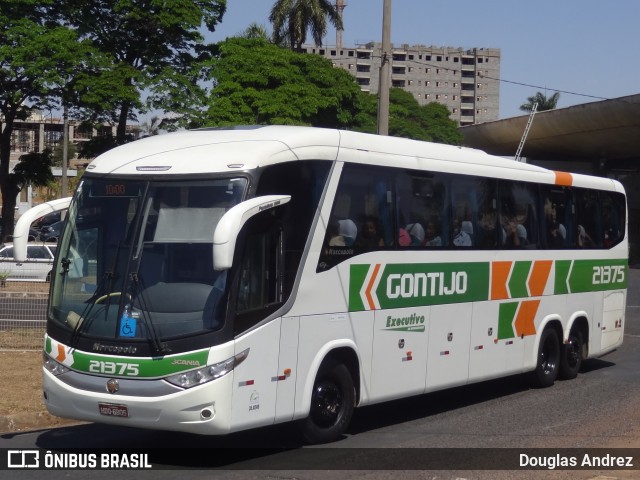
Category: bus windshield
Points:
column 135, row 261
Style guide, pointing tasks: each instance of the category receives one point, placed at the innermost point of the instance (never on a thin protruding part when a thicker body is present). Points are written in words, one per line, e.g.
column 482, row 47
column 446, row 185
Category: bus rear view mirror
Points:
column 229, row 226
column 21, row 230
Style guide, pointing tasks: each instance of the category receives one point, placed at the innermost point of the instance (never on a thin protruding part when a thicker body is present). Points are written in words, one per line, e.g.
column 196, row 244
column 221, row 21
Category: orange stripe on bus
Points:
column 61, row 355
column 372, row 305
column 499, row 276
column 525, row 317
column 539, row 276
column 564, row 178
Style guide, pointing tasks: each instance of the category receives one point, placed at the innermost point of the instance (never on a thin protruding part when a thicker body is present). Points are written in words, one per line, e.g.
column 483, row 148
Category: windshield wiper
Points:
column 160, row 347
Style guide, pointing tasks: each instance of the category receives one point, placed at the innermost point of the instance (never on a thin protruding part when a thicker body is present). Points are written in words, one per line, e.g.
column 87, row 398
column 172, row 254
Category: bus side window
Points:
column 588, row 221
column 259, row 282
column 556, row 218
column 360, row 219
column 422, row 211
column 486, row 235
column 518, row 220
column 613, row 209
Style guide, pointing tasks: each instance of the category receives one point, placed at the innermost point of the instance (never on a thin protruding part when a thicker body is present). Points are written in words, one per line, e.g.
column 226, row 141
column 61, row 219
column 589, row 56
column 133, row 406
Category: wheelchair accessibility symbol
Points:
column 127, row 326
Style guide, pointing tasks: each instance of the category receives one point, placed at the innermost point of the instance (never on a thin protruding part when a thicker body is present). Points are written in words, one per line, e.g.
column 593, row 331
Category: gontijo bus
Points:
column 216, row 280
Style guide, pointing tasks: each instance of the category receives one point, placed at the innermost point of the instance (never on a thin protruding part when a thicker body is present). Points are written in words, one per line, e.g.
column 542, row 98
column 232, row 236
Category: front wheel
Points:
column 548, row 364
column 332, row 404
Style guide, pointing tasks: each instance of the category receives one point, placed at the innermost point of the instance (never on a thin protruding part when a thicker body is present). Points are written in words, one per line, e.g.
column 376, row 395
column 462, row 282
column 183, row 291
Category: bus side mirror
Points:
column 229, row 226
column 21, row 230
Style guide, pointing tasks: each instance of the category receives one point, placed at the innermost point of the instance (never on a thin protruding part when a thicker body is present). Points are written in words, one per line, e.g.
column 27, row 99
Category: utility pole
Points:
column 340, row 9
column 65, row 149
column 385, row 71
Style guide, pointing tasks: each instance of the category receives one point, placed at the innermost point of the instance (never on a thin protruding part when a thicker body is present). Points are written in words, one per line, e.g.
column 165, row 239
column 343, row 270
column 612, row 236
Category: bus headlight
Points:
column 206, row 374
column 53, row 366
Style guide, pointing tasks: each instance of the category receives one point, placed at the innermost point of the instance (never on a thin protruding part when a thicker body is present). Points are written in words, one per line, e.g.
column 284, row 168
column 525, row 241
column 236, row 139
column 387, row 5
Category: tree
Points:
column 144, row 38
column 544, row 102
column 36, row 58
column 58, row 151
column 289, row 89
column 32, row 168
column 409, row 119
column 292, row 19
column 255, row 31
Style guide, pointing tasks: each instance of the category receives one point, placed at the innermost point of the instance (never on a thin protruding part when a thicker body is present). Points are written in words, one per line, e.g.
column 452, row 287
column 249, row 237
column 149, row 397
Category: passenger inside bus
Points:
column 462, row 233
column 432, row 238
column 347, row 233
column 370, row 239
column 416, row 233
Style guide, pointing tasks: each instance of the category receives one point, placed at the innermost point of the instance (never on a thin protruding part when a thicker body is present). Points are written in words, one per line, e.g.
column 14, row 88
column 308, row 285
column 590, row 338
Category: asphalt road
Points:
column 599, row 409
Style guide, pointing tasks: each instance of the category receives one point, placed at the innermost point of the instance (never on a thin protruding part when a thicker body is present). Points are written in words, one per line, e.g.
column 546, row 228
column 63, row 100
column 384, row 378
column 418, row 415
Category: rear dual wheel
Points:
column 549, row 354
column 573, row 353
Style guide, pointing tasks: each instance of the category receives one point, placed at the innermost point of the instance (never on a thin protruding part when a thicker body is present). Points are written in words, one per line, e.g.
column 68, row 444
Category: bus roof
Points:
column 218, row 150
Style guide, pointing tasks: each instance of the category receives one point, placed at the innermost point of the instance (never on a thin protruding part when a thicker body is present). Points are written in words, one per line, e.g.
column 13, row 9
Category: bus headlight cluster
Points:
column 206, row 374
column 54, row 367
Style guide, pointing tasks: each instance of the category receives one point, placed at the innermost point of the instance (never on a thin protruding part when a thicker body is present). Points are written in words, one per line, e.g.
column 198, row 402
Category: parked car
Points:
column 51, row 233
column 37, row 268
column 46, row 220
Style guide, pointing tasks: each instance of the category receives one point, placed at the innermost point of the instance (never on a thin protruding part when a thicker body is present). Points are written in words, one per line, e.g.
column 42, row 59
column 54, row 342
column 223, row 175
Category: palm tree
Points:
column 544, row 102
column 255, row 31
column 292, row 19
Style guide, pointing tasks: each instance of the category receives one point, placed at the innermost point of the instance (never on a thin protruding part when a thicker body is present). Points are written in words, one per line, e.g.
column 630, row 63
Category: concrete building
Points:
column 465, row 81
column 39, row 132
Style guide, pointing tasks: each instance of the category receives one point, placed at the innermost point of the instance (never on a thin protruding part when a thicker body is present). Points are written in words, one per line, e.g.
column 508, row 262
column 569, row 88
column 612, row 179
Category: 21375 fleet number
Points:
column 114, row 368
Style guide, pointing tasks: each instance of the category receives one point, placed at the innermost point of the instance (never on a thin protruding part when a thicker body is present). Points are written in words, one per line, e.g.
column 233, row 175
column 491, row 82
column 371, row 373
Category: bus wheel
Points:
column 332, row 404
column 572, row 355
column 548, row 364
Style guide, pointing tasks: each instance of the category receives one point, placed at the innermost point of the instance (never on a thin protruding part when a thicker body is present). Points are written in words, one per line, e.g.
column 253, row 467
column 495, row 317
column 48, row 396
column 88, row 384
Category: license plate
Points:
column 112, row 410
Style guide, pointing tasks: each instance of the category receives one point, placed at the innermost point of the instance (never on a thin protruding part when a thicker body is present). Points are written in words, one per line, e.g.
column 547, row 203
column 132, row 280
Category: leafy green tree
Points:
column 37, row 57
column 257, row 82
column 58, row 151
column 32, row 168
column 407, row 118
column 144, row 39
column 292, row 19
column 544, row 102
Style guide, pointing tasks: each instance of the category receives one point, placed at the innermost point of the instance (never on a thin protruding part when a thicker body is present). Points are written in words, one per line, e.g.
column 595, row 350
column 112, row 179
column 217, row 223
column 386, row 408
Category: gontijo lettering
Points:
column 424, row 284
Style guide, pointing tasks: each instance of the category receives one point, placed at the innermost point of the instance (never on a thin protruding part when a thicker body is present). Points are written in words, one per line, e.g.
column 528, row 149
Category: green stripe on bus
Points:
column 403, row 285
column 358, row 274
column 138, row 367
column 506, row 315
column 581, row 276
column 411, row 285
column 518, row 280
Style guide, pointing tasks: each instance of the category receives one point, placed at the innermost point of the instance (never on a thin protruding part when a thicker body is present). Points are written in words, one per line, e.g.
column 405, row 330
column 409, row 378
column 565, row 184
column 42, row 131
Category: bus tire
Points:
column 548, row 363
column 572, row 355
column 332, row 404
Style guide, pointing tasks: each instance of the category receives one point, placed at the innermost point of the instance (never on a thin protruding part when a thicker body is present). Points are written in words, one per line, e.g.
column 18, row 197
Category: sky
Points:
column 588, row 50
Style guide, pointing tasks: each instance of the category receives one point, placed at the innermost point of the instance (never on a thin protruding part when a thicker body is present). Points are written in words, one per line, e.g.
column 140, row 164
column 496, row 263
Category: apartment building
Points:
column 465, row 81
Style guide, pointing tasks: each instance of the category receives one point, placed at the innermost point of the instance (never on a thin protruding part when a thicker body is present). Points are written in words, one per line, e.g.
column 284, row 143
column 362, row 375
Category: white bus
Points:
column 217, row 280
